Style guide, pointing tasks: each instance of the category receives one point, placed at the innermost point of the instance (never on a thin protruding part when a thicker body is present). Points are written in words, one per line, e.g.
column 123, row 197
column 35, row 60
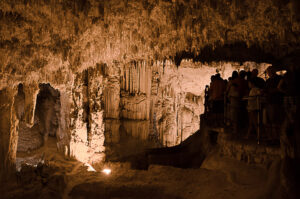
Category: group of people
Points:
column 248, row 102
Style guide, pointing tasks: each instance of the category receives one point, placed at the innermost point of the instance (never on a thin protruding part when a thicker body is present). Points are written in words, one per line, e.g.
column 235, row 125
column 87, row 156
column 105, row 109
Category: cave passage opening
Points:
column 33, row 140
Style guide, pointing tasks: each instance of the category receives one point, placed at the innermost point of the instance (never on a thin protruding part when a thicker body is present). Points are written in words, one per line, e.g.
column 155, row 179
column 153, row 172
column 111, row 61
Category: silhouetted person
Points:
column 273, row 105
column 253, row 107
column 288, row 86
column 260, row 82
column 216, row 99
column 242, row 83
column 230, row 82
column 235, row 102
column 243, row 90
column 248, row 75
column 216, row 93
column 290, row 136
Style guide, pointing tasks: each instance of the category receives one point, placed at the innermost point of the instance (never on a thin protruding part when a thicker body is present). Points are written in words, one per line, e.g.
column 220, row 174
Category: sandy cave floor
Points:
column 218, row 177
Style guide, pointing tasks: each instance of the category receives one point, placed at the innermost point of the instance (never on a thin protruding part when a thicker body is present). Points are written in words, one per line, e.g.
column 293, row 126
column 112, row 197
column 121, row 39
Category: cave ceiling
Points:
column 52, row 34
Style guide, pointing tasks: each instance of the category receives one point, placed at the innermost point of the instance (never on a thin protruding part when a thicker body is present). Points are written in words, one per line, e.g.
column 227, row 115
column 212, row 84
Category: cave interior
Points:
column 115, row 99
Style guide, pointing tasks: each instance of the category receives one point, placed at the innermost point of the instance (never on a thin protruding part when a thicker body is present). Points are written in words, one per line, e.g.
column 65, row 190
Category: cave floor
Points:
column 166, row 182
column 219, row 177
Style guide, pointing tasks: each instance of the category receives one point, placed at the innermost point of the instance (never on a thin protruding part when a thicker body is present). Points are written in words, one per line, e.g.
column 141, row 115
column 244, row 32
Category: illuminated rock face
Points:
column 145, row 99
column 106, row 60
column 48, row 36
column 87, row 127
column 158, row 99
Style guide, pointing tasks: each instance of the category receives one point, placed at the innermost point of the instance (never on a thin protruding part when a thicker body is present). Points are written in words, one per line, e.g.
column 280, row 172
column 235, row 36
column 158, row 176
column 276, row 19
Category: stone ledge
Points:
column 247, row 150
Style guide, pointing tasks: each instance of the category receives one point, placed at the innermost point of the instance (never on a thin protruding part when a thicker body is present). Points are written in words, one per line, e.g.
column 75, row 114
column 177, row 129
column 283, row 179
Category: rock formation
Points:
column 125, row 68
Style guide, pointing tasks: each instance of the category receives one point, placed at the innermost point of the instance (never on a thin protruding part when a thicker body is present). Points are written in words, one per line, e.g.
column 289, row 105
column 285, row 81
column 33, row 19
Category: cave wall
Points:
column 47, row 117
column 75, row 98
column 8, row 132
column 63, row 134
column 178, row 100
column 95, row 92
column 146, row 99
column 56, row 41
column 43, row 37
column 87, row 126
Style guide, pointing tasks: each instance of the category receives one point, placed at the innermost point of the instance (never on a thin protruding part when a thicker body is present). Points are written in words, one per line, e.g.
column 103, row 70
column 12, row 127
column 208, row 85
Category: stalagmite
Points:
column 123, row 85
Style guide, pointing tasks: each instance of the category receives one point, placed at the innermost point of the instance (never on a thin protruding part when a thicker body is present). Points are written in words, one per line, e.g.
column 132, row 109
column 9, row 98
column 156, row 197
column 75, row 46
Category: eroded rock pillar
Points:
column 87, row 128
column 95, row 119
column 8, row 133
column 111, row 100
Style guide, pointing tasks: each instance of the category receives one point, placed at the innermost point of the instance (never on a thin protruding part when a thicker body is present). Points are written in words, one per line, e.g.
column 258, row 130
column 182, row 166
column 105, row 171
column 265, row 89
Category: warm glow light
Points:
column 281, row 72
column 89, row 167
column 106, row 171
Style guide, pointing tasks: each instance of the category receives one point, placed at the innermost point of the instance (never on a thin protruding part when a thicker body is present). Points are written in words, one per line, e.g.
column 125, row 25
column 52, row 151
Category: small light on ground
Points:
column 106, row 171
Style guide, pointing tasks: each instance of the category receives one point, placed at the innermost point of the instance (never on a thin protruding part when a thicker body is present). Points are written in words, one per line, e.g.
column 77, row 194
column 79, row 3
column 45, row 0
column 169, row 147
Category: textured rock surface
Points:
column 134, row 48
column 28, row 138
column 249, row 152
column 87, row 128
column 50, row 36
column 8, row 132
column 159, row 99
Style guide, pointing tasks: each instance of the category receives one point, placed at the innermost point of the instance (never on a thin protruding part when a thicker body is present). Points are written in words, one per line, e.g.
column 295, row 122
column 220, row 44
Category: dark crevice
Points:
column 46, row 118
column 86, row 106
column 237, row 52
column 19, row 103
column 47, row 109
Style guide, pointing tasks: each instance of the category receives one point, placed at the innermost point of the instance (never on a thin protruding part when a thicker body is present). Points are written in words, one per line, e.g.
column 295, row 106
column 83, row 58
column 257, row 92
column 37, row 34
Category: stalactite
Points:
column 173, row 94
column 31, row 91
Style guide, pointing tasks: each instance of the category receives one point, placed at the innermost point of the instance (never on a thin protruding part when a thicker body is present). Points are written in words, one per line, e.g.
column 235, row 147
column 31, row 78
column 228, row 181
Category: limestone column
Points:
column 8, row 133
